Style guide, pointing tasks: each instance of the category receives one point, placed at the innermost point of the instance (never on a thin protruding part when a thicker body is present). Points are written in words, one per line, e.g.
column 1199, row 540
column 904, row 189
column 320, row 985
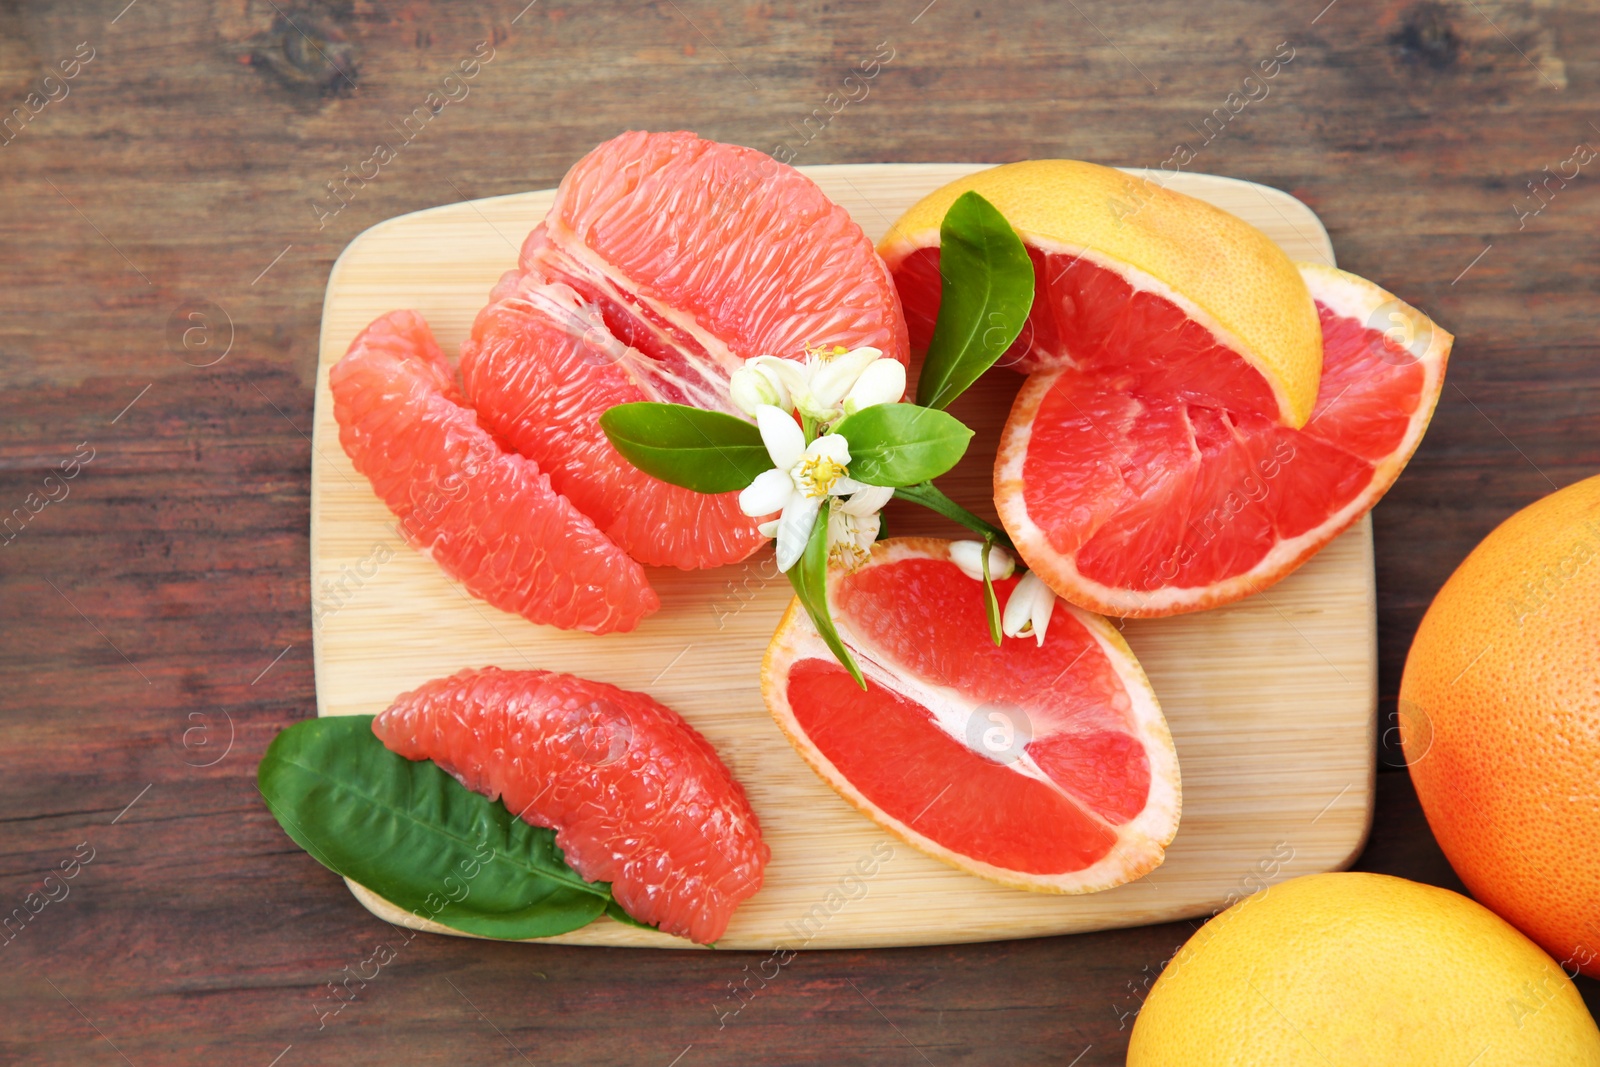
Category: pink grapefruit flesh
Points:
column 636, row 796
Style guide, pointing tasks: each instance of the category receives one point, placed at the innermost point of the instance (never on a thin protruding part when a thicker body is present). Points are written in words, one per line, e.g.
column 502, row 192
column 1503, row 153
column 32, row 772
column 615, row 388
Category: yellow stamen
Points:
column 818, row 473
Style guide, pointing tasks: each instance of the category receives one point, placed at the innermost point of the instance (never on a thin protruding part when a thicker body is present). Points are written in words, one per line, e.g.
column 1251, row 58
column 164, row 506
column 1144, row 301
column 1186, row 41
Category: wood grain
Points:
column 201, row 934
column 1294, row 670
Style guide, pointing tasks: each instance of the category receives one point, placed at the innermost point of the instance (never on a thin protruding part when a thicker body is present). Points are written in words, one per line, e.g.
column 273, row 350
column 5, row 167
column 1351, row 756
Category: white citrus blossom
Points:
column 968, row 555
column 824, row 388
column 1028, row 608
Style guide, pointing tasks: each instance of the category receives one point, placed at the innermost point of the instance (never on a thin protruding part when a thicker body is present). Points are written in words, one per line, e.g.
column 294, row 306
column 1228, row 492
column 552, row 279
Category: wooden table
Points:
column 168, row 231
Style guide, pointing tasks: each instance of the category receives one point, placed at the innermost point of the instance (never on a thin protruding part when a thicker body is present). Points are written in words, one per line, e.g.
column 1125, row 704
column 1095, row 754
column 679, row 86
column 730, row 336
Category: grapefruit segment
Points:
column 636, row 796
column 1045, row 767
column 1144, row 503
column 664, row 262
column 488, row 517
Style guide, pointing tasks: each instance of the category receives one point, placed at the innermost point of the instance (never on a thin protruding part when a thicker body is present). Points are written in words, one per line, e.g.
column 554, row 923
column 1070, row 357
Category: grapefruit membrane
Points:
column 1040, row 765
column 666, row 261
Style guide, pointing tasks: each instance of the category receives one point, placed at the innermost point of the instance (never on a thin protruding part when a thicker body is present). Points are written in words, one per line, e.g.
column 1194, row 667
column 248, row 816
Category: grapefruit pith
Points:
column 1135, row 501
column 636, row 796
column 488, row 517
column 1040, row 766
column 666, row 261
column 1133, row 280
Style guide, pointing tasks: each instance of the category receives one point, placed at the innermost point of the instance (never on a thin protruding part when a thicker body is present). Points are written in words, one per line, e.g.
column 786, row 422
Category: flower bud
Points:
column 968, row 555
column 752, row 386
column 1028, row 609
column 883, row 382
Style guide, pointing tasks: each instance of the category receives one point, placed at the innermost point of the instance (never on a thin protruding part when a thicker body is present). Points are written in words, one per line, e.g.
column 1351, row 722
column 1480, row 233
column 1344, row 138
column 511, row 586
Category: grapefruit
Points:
column 1133, row 282
column 488, row 517
column 636, row 796
column 1043, row 766
column 1140, row 495
column 1354, row 968
column 665, row 261
column 1500, row 719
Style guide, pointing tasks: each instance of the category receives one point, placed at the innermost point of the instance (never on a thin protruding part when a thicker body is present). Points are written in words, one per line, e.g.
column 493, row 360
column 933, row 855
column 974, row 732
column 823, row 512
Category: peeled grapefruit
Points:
column 665, row 261
column 1040, row 766
column 1500, row 719
column 1354, row 968
column 1141, row 496
column 488, row 517
column 636, row 796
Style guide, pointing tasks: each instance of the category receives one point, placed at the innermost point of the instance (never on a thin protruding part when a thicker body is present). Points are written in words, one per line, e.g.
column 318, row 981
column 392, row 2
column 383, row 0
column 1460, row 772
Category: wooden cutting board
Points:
column 1271, row 701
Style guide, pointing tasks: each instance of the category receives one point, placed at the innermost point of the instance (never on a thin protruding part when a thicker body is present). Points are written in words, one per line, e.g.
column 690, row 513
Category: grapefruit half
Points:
column 1134, row 501
column 665, row 262
column 1039, row 766
column 636, row 796
column 1132, row 281
column 488, row 517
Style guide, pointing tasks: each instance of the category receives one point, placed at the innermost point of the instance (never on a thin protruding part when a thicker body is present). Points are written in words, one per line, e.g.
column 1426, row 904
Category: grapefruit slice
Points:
column 488, row 517
column 666, row 261
column 1162, row 290
column 636, row 796
column 1040, row 766
column 1140, row 502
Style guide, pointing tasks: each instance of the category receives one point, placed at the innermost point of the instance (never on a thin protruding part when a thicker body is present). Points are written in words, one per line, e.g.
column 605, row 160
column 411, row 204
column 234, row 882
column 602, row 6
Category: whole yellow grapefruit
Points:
column 1500, row 718
column 1362, row 970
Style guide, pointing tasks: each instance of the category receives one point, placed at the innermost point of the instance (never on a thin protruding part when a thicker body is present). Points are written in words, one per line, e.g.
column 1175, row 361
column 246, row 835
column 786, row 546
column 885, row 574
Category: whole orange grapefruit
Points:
column 1500, row 720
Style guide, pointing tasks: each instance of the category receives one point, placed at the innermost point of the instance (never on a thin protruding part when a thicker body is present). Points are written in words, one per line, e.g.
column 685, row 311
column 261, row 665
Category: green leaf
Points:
column 985, row 293
column 411, row 833
column 902, row 444
column 614, row 910
column 809, row 576
column 991, row 603
column 706, row 451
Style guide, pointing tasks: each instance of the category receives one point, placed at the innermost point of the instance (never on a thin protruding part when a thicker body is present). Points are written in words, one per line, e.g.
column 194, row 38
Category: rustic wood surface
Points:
column 157, row 613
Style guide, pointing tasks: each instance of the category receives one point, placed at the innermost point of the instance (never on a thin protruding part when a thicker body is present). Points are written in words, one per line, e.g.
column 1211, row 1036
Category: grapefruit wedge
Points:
column 488, row 517
column 1046, row 766
column 1133, row 501
column 665, row 261
column 1135, row 282
column 636, row 796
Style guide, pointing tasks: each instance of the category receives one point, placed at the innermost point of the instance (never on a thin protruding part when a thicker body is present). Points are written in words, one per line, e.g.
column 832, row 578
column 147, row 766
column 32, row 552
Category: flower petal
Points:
column 768, row 493
column 1001, row 565
column 749, row 387
column 794, row 528
column 832, row 378
column 784, row 439
column 1028, row 608
column 768, row 529
column 831, row 445
column 868, row 500
column 883, row 382
column 788, row 373
column 1044, row 604
column 968, row 555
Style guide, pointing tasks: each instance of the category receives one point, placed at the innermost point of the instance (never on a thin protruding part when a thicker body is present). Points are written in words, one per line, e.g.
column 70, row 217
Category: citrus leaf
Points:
column 902, row 444
column 411, row 833
column 809, row 576
column 985, row 293
column 706, row 451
